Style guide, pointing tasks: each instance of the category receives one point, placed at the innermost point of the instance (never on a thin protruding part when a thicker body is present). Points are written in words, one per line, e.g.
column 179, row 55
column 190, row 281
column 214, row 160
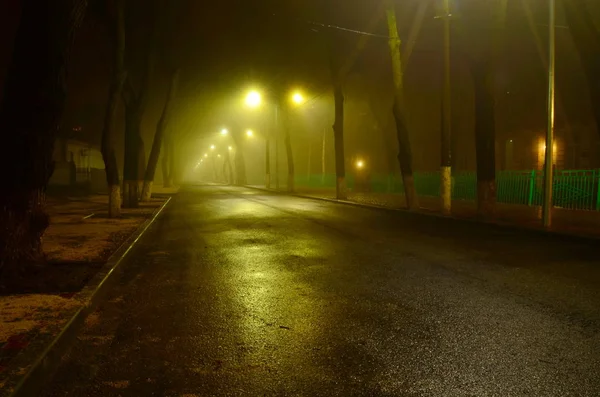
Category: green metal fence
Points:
column 572, row 189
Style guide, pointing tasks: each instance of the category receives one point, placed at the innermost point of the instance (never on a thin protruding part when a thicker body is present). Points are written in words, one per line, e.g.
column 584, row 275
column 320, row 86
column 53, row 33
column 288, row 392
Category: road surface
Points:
column 238, row 292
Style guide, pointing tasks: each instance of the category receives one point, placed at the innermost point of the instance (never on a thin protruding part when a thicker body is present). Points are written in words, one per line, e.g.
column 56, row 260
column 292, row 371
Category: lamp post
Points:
column 254, row 100
column 549, row 159
column 446, row 149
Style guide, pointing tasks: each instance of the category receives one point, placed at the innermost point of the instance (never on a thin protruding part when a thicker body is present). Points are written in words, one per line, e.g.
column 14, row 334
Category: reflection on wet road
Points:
column 237, row 292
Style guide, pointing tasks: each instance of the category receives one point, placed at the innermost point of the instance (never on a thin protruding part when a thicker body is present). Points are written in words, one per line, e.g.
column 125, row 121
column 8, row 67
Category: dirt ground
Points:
column 78, row 242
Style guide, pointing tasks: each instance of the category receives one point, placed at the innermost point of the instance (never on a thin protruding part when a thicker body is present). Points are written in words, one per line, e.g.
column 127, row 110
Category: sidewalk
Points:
column 583, row 223
column 78, row 242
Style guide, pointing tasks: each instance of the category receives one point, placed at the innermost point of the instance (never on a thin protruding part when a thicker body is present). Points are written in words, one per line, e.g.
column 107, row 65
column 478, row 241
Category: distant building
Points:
column 77, row 163
column 574, row 149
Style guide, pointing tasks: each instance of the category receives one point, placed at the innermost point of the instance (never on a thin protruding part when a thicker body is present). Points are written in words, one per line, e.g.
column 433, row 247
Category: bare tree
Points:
column 240, row 164
column 33, row 102
column 586, row 37
column 399, row 110
column 114, row 97
column 134, row 165
column 288, row 148
column 482, row 34
column 158, row 138
column 338, row 124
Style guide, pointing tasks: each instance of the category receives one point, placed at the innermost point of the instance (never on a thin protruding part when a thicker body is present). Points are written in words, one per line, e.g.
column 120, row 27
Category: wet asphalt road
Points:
column 237, row 292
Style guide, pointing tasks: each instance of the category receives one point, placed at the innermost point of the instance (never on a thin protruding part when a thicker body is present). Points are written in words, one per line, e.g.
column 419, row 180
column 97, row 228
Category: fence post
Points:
column 532, row 178
column 597, row 190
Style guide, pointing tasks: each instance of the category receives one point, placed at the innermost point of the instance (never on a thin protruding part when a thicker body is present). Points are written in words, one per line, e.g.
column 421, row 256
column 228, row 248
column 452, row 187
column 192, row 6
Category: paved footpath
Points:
column 238, row 292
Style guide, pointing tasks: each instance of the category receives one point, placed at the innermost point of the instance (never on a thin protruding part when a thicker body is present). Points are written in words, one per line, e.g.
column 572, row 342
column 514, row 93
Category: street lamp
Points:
column 297, row 98
column 212, row 147
column 205, row 155
column 250, row 133
column 360, row 164
column 224, row 131
column 253, row 99
column 230, row 148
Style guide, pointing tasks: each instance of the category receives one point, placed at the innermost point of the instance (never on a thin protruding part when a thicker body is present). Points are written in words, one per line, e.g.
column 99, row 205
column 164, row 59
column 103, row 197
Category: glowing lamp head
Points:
column 250, row 133
column 360, row 164
column 253, row 99
column 224, row 131
column 298, row 98
column 230, row 148
column 205, row 155
column 212, row 147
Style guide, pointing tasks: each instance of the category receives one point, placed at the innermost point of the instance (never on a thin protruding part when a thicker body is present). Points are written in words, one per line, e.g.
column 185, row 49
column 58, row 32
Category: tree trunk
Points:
column 33, row 102
column 133, row 147
column 338, row 133
column 240, row 164
column 240, row 167
column 158, row 138
column 172, row 162
column 485, row 137
column 288, row 150
column 267, row 163
column 165, row 163
column 135, row 162
column 404, row 152
column 587, row 42
column 108, row 134
column 229, row 169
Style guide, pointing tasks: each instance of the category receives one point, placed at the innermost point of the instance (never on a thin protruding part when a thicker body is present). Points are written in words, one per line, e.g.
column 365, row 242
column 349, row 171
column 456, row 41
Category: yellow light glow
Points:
column 224, row 131
column 205, row 155
column 253, row 99
column 212, row 147
column 218, row 155
column 360, row 164
column 298, row 98
column 250, row 133
column 230, row 148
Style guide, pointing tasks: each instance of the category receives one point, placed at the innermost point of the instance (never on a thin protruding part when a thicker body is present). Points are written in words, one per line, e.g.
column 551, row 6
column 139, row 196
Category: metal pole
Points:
column 277, row 146
column 446, row 149
column 549, row 158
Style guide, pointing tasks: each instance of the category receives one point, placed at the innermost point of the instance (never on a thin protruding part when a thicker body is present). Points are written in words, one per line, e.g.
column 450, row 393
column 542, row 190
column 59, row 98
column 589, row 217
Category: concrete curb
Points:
column 431, row 213
column 92, row 294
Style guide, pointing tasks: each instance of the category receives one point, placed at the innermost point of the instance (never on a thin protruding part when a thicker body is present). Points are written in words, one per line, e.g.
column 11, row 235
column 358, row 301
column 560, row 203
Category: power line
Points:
column 343, row 29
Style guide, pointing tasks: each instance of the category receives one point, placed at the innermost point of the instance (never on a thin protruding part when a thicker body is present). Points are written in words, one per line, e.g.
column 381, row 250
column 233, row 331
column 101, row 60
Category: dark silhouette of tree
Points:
column 481, row 33
column 136, row 99
column 586, row 37
column 109, row 133
column 399, row 111
column 33, row 102
column 158, row 137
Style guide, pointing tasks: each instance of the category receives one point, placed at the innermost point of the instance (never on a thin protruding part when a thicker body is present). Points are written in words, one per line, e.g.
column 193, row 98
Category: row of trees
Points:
column 138, row 174
column 33, row 102
column 478, row 36
column 35, row 92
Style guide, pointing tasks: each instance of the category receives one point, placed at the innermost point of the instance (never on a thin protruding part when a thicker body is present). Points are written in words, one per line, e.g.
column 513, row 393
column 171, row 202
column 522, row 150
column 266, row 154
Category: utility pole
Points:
column 549, row 158
column 446, row 147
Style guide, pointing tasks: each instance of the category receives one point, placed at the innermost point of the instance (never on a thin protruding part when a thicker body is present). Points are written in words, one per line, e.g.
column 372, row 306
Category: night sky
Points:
column 223, row 47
